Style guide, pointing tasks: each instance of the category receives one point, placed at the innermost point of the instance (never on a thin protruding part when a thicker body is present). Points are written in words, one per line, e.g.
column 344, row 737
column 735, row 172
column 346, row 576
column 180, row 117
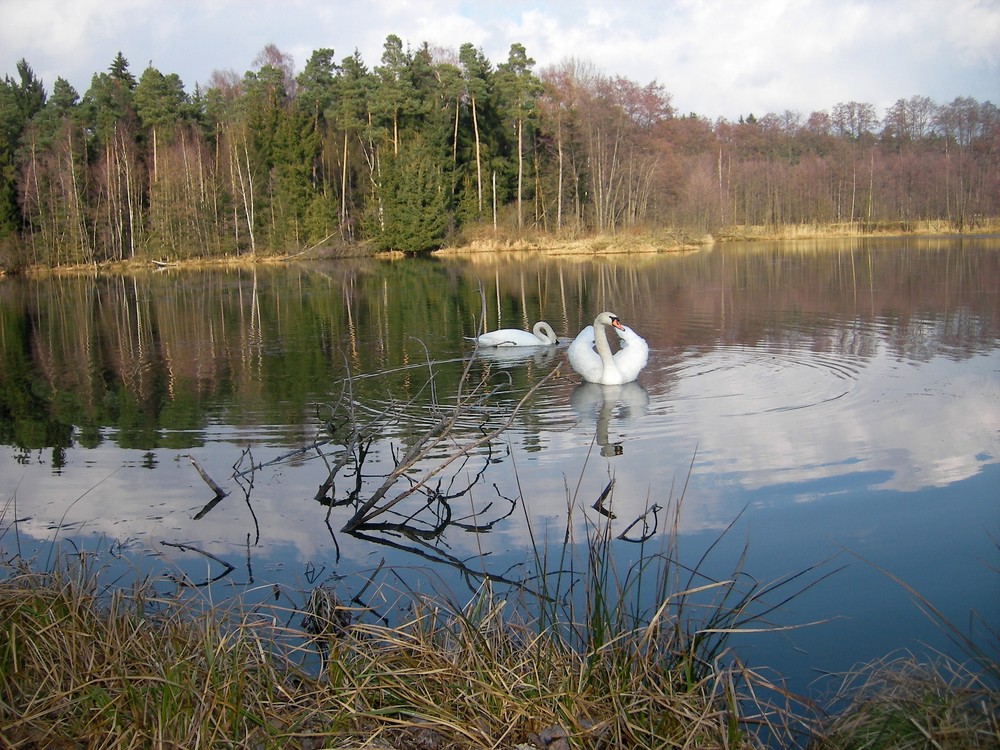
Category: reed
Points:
column 903, row 702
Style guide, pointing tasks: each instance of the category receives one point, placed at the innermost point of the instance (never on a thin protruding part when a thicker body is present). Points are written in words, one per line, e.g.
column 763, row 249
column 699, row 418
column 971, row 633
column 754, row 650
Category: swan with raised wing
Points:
column 590, row 353
column 541, row 334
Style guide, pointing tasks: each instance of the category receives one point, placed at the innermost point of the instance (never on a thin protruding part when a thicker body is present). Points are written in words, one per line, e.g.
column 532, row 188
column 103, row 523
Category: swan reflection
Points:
column 512, row 356
column 604, row 402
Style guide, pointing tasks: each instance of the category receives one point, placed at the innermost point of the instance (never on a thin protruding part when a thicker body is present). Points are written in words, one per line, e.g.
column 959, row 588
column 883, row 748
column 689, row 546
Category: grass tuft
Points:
column 903, row 703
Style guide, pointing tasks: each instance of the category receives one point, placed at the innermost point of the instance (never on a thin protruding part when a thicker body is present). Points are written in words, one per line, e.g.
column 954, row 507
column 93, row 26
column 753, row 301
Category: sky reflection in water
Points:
column 826, row 400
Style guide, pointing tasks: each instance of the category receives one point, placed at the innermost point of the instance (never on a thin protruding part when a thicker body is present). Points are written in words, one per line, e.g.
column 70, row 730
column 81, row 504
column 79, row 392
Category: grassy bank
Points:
column 486, row 241
column 126, row 671
column 78, row 671
column 679, row 240
column 810, row 231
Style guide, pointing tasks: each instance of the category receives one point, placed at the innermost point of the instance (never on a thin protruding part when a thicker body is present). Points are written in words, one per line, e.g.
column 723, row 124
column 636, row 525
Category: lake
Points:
column 829, row 408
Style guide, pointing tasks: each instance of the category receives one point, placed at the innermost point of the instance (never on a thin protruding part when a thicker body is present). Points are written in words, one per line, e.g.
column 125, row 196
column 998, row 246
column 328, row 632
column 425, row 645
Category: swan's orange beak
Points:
column 617, row 324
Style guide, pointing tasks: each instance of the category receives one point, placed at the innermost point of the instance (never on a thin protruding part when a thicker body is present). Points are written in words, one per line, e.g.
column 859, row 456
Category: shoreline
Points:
column 651, row 242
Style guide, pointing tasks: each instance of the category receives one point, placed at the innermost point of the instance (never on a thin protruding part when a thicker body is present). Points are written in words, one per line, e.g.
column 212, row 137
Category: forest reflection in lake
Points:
column 836, row 398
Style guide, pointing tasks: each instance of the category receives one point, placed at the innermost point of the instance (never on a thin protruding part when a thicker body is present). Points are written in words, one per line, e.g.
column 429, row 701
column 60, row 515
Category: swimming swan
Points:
column 590, row 353
column 540, row 335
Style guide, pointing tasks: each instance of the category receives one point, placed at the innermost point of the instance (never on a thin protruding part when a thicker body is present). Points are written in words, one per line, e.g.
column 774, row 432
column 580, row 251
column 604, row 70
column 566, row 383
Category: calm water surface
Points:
column 830, row 404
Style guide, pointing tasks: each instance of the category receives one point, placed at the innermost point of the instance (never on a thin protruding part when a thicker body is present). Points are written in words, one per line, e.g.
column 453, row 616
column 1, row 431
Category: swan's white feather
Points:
column 541, row 334
column 615, row 368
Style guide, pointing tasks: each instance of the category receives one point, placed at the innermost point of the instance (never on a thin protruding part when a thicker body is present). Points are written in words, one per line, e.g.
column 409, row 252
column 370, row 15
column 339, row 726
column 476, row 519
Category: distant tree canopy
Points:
column 430, row 144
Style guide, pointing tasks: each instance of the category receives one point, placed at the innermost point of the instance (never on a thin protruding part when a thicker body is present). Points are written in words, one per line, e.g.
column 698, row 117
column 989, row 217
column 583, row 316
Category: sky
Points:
column 715, row 58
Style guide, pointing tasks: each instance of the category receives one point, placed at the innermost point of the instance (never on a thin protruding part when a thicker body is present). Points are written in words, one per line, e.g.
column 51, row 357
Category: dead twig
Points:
column 219, row 492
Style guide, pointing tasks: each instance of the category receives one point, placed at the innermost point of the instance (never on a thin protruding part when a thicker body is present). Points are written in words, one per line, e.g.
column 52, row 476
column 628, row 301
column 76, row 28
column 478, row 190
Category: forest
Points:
column 434, row 146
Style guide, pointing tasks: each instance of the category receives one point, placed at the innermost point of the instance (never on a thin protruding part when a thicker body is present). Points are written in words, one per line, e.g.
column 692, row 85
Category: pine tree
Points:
column 413, row 201
column 19, row 101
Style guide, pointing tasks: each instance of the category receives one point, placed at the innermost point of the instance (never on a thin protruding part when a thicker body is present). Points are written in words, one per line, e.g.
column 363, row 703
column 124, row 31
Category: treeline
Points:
column 432, row 145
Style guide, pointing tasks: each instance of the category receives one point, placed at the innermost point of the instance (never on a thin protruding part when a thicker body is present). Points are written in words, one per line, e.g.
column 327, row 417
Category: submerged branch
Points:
column 219, row 492
column 228, row 568
column 438, row 432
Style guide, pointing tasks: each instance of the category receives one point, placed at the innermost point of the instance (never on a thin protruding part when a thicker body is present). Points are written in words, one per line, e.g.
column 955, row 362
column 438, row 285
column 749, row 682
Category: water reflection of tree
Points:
column 152, row 358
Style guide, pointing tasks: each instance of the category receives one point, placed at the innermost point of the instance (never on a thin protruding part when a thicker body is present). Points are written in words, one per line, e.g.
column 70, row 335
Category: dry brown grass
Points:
column 128, row 672
column 813, row 230
column 903, row 704
column 77, row 670
column 485, row 242
column 644, row 242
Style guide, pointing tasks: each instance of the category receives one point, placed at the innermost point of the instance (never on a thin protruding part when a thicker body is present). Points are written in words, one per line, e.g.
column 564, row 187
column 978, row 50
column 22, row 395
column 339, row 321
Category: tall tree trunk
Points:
column 454, row 138
column 77, row 198
column 479, row 165
column 520, row 170
column 871, row 187
column 343, row 188
column 130, row 216
column 243, row 186
column 559, row 180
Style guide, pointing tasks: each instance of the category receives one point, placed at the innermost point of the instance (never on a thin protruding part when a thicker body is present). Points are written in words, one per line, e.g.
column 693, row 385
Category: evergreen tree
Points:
column 110, row 106
column 19, row 101
column 352, row 123
column 160, row 103
column 316, row 99
column 110, row 100
column 476, row 73
column 290, row 188
column 412, row 205
column 316, row 89
column 390, row 91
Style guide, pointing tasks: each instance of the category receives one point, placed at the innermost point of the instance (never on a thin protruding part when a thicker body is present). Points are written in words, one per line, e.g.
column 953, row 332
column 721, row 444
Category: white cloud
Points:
column 716, row 58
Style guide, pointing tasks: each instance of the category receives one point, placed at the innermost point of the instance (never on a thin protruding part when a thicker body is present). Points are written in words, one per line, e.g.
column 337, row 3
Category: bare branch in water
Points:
column 228, row 568
column 219, row 492
column 424, row 446
column 599, row 503
column 648, row 530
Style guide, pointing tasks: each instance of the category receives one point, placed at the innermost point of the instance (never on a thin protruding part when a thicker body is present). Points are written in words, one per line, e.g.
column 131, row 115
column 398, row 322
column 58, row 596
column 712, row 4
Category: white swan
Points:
column 590, row 353
column 540, row 335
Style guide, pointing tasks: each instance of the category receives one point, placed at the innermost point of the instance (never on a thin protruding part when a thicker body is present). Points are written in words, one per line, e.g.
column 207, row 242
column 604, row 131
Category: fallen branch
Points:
column 228, row 568
column 219, row 492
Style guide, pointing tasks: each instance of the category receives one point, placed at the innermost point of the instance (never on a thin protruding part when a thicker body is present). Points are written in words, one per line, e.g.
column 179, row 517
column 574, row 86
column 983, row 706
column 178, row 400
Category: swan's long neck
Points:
column 603, row 347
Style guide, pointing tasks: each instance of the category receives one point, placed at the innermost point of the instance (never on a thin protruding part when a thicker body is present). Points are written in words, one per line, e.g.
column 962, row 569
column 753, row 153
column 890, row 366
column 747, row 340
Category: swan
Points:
column 590, row 353
column 540, row 335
